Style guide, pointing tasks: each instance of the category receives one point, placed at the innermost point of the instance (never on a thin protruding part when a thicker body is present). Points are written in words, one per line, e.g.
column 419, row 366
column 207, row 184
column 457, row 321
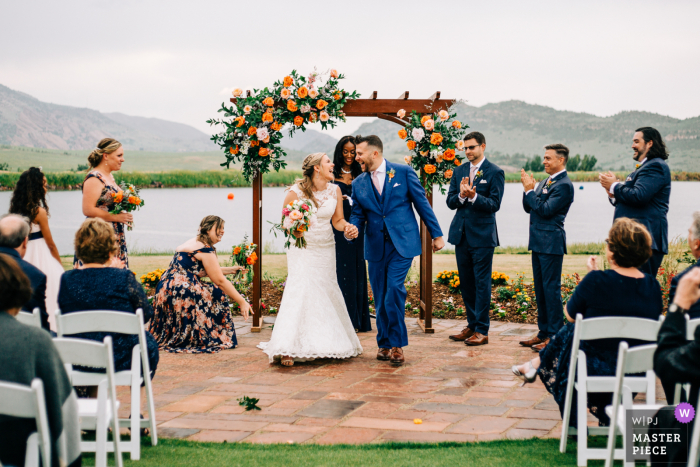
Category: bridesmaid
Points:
column 98, row 187
column 350, row 257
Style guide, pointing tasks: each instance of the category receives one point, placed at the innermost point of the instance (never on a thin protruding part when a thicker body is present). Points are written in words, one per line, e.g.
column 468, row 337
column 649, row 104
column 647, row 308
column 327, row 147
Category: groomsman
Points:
column 644, row 196
column 548, row 203
column 476, row 190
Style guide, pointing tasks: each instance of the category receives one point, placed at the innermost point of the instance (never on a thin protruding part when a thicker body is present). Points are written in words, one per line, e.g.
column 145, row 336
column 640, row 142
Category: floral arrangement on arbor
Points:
column 433, row 140
column 252, row 127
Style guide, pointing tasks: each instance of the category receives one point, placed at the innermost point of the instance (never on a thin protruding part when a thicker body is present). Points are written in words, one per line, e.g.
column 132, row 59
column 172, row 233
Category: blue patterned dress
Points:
column 191, row 316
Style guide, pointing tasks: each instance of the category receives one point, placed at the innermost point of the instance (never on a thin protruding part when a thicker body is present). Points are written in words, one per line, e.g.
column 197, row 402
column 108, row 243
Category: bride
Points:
column 313, row 321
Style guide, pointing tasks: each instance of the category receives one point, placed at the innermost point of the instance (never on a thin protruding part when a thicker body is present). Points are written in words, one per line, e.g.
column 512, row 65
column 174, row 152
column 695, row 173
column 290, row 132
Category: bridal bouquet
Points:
column 244, row 255
column 297, row 217
column 127, row 199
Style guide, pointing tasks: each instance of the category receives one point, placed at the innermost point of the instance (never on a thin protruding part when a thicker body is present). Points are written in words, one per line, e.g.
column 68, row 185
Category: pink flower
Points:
column 313, row 93
column 429, row 124
column 288, row 222
column 285, row 212
column 285, row 93
column 305, row 207
column 401, row 113
column 334, row 73
column 295, row 215
column 305, row 109
column 323, row 116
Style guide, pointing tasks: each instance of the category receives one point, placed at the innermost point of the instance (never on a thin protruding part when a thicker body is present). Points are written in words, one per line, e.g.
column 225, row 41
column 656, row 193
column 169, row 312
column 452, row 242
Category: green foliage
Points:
column 534, row 165
column 250, row 403
column 504, row 294
column 4, row 166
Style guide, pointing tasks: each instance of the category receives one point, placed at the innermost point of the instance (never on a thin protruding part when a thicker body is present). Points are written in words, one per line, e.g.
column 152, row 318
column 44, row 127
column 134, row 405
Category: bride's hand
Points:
column 245, row 310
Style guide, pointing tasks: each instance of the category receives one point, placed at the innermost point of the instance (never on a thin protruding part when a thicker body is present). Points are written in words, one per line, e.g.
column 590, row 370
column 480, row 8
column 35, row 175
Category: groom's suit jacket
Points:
column 548, row 208
column 392, row 212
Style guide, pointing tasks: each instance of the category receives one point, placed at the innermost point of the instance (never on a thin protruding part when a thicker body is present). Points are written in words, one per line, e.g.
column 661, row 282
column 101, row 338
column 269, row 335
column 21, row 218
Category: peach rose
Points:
column 267, row 117
column 429, row 124
column 424, row 119
column 429, row 168
column 334, row 73
column 435, row 138
column 252, row 130
column 298, row 120
column 269, row 101
column 448, row 174
column 444, row 115
column 401, row 113
column 408, row 159
column 263, row 152
column 313, row 93
column 288, row 81
column 238, row 92
column 438, row 158
column 247, row 109
column 459, row 145
column 457, row 124
column 403, row 134
column 321, row 104
column 449, row 154
column 285, row 93
column 292, row 106
column 302, row 92
column 323, row 116
column 295, row 215
column 411, row 145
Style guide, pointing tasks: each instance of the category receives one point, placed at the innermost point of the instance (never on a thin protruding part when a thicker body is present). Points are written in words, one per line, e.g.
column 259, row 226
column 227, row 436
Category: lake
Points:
column 171, row 216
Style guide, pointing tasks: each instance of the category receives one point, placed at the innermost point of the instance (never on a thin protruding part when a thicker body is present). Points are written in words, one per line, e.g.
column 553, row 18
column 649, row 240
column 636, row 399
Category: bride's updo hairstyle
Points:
column 306, row 184
column 208, row 223
column 105, row 146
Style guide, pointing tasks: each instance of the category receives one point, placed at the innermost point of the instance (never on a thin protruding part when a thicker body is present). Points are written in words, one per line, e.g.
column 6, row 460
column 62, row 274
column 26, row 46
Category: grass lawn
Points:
column 532, row 452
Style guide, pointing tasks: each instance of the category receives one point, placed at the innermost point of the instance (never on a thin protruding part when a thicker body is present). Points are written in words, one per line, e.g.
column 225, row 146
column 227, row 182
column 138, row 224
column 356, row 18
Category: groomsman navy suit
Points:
column 384, row 197
column 476, row 190
column 548, row 204
column 645, row 195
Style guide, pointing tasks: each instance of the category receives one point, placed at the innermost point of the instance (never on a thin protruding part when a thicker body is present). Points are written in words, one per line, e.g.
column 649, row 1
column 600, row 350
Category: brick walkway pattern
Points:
column 460, row 393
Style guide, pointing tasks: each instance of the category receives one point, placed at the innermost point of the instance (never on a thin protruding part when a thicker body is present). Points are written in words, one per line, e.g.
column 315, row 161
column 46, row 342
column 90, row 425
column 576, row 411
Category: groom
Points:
column 383, row 197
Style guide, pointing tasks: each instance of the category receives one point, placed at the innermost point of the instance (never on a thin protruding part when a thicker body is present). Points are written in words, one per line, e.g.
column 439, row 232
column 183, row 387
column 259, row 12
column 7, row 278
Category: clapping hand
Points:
column 466, row 189
column 592, row 263
column 606, row 180
column 351, row 231
column 528, row 181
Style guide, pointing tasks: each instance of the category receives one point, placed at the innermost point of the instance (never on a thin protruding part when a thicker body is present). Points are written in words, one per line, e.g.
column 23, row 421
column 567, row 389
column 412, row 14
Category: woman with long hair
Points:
column 29, row 200
column 98, row 188
column 350, row 257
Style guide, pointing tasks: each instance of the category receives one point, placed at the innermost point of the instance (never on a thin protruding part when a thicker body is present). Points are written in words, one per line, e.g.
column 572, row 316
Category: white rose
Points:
column 418, row 134
column 262, row 133
column 305, row 109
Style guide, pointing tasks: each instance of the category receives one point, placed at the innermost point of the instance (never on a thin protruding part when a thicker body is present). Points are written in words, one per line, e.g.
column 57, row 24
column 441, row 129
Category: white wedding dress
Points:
column 39, row 255
column 313, row 321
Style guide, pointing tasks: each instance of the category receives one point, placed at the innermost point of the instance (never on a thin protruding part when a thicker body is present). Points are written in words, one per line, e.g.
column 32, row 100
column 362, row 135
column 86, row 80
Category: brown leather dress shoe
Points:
column 397, row 358
column 477, row 339
column 384, row 355
column 465, row 334
column 539, row 347
column 529, row 343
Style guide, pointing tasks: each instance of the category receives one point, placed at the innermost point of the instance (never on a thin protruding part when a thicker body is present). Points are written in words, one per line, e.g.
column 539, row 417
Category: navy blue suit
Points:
column 38, row 283
column 474, row 233
column 644, row 197
column 694, row 311
column 548, row 207
column 392, row 239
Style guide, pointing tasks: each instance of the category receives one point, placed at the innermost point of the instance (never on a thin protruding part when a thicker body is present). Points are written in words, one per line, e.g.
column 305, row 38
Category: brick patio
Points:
column 459, row 393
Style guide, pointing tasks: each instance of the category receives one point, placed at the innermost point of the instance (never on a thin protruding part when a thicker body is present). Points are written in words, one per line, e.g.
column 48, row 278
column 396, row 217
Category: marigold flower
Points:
column 238, row 92
column 288, row 81
column 323, row 116
column 429, row 168
column 448, row 174
column 444, row 115
column 263, row 152
column 292, row 106
column 298, row 120
column 134, row 200
column 337, row 96
column 449, row 154
column 118, row 196
column 285, row 93
column 302, row 92
column 266, row 117
column 435, row 138
column 236, row 250
column 334, row 73
column 429, row 124
column 411, row 145
column 252, row 130
column 276, row 126
column 401, row 113
column 403, row 134
column 321, row 104
column 457, row 124
column 269, row 101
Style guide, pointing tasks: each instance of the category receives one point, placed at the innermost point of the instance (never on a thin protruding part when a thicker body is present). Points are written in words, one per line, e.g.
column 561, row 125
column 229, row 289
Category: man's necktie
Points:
column 375, row 179
column 472, row 174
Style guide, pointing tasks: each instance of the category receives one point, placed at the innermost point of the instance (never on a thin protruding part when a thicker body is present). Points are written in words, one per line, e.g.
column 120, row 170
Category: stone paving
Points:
column 460, row 393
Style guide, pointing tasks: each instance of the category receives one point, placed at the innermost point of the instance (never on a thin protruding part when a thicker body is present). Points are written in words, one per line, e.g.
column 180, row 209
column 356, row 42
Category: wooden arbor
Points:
column 386, row 109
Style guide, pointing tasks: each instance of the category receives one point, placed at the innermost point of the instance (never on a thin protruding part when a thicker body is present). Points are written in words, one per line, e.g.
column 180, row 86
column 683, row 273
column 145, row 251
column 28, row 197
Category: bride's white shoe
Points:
column 528, row 377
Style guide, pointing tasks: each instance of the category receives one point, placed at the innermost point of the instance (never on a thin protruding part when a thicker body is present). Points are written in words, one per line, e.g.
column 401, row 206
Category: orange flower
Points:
column 118, row 196
column 424, row 119
column 302, row 92
column 435, row 138
column 267, row 139
column 240, row 120
column 292, row 106
column 321, row 104
column 285, row 93
column 298, row 120
column 337, row 96
column 252, row 130
column 269, row 101
column 448, row 174
column 134, row 200
column 254, row 143
column 411, row 145
column 249, row 261
column 266, row 117
column 449, row 154
column 458, row 162
column 263, row 152
column 334, row 73
column 403, row 134
column 429, row 168
column 288, row 81
column 276, row 126
column 233, row 150
column 457, row 124
column 236, row 250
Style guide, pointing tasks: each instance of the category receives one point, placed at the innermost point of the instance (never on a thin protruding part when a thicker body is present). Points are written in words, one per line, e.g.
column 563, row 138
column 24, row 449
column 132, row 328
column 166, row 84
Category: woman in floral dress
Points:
column 98, row 190
column 191, row 315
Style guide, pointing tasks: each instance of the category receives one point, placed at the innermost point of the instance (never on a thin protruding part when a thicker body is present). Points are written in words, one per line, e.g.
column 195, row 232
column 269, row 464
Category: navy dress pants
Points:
column 546, row 270
column 474, row 266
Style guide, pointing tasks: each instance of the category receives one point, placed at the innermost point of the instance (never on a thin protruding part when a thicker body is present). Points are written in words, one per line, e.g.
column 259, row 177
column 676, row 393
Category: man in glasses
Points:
column 476, row 190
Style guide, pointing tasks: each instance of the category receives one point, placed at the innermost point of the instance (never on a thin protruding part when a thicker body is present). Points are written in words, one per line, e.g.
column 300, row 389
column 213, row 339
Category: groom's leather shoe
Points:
column 397, row 358
column 477, row 339
column 384, row 355
column 530, row 342
column 465, row 334
column 539, row 347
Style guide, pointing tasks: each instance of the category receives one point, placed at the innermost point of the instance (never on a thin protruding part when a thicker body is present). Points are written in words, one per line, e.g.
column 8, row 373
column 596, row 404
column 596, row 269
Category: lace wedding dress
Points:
column 313, row 321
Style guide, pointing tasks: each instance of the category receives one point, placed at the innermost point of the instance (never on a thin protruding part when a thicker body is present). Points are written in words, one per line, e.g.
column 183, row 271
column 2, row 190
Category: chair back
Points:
column 30, row 319
column 615, row 327
column 18, row 400
column 97, row 321
column 691, row 325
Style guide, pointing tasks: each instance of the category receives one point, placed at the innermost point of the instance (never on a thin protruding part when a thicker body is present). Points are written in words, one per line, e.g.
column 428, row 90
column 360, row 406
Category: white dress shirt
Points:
column 550, row 177
column 612, row 187
column 478, row 166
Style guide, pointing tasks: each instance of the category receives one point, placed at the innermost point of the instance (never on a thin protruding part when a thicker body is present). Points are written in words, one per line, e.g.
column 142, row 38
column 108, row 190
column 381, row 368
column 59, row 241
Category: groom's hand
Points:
column 351, row 231
column 438, row 244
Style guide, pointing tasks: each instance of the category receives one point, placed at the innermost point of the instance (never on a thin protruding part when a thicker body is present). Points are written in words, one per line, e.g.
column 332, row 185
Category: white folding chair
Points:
column 18, row 400
column 592, row 329
column 30, row 319
column 123, row 323
column 695, row 440
column 690, row 326
column 637, row 360
column 95, row 414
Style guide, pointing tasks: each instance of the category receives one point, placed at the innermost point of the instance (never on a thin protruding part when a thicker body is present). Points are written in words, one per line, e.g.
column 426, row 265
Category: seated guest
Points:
column 694, row 245
column 191, row 315
column 27, row 353
column 623, row 290
column 14, row 236
column 99, row 286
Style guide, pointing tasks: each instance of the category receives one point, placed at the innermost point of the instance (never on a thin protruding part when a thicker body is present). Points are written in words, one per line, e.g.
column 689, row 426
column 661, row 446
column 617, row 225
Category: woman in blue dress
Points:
column 350, row 257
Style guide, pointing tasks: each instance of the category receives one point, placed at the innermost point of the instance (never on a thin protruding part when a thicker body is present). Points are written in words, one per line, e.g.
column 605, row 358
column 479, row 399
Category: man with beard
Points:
column 644, row 196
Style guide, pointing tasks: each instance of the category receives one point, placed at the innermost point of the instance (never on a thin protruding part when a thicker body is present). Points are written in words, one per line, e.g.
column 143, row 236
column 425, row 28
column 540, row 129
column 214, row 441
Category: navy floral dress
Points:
column 191, row 316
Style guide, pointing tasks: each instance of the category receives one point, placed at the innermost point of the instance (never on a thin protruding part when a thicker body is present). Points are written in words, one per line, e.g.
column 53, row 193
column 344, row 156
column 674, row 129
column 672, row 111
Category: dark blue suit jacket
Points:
column 694, row 311
column 548, row 208
column 476, row 220
column 644, row 197
column 38, row 282
column 400, row 195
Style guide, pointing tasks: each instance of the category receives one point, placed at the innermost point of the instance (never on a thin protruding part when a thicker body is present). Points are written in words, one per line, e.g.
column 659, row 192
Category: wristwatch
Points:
column 673, row 308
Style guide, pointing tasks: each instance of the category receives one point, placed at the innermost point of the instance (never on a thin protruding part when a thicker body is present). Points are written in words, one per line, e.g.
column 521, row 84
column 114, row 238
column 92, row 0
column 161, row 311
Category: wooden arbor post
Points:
column 386, row 109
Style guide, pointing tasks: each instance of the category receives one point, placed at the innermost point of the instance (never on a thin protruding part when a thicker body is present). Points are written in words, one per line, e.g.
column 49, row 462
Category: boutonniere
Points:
column 480, row 173
column 636, row 166
column 391, row 173
column 550, row 183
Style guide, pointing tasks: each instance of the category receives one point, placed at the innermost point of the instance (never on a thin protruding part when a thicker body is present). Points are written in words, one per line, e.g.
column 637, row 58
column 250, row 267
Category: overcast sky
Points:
column 178, row 60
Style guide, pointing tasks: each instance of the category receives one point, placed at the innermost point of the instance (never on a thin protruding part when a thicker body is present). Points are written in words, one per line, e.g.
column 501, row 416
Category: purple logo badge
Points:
column 684, row 412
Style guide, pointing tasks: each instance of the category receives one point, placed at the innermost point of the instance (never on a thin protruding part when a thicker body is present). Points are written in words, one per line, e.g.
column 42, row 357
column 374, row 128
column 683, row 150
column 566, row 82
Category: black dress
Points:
column 600, row 294
column 114, row 290
column 351, row 269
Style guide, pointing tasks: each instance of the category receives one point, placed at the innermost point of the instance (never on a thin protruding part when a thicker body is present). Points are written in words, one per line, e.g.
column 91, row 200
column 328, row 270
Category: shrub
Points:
column 445, row 277
column 504, row 294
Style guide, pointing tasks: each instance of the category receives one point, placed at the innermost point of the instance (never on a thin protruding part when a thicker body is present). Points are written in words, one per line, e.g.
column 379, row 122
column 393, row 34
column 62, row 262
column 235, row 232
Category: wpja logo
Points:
column 656, row 435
